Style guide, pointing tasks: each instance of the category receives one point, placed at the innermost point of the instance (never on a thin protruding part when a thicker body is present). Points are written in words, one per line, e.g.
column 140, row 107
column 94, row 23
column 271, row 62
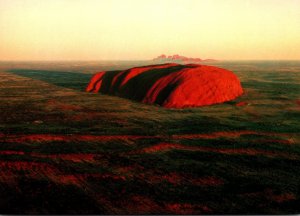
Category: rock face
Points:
column 170, row 85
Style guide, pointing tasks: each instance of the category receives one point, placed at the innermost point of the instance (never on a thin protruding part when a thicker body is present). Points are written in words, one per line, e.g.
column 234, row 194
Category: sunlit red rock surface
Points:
column 170, row 85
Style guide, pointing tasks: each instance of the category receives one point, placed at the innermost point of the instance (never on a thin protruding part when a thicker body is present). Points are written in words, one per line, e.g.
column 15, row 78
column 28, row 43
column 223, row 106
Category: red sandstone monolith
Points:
column 170, row 85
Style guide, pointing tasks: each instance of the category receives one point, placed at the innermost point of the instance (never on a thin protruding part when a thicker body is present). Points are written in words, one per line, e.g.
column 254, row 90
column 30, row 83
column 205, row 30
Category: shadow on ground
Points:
column 76, row 81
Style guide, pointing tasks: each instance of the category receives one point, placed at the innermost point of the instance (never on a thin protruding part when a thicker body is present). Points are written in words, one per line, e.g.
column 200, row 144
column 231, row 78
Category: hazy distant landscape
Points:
column 66, row 151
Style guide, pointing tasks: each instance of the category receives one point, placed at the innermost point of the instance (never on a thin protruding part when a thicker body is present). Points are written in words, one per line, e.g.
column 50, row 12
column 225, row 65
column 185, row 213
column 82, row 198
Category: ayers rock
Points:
column 170, row 85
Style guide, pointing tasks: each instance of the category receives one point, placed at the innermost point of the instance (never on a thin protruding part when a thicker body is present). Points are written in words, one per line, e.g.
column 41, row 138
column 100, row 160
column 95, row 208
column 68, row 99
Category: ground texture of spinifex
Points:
column 66, row 151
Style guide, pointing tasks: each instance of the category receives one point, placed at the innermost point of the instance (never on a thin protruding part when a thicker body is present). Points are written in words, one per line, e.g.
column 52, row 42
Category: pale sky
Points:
column 144, row 29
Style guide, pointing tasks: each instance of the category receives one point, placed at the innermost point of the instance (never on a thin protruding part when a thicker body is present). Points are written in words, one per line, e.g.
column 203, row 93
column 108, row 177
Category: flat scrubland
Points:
column 66, row 151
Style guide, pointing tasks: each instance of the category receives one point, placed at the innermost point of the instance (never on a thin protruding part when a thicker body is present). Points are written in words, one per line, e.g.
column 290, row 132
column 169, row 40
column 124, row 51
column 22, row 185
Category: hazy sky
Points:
column 143, row 29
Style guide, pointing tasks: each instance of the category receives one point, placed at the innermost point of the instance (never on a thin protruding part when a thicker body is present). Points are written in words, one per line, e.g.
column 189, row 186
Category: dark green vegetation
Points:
column 65, row 151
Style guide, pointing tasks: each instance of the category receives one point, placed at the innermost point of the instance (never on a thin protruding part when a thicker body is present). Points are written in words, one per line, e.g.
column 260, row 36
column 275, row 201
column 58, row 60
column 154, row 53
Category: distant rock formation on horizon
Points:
column 179, row 59
column 170, row 85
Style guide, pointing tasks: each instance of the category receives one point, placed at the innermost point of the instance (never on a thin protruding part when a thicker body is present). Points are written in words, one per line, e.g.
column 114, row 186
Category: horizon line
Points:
column 130, row 60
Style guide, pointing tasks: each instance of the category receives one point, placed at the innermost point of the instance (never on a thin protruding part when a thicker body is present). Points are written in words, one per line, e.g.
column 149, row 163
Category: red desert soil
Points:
column 170, row 85
column 178, row 179
column 228, row 134
column 284, row 142
column 21, row 138
column 207, row 181
column 187, row 208
column 80, row 179
column 138, row 204
column 26, row 165
column 62, row 106
column 11, row 152
column 172, row 178
column 269, row 194
column 10, row 170
column 245, row 151
column 242, row 103
column 283, row 197
column 75, row 157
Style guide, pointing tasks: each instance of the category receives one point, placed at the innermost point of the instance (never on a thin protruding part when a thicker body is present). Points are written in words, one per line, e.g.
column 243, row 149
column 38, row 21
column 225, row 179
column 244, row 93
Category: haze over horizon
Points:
column 142, row 30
